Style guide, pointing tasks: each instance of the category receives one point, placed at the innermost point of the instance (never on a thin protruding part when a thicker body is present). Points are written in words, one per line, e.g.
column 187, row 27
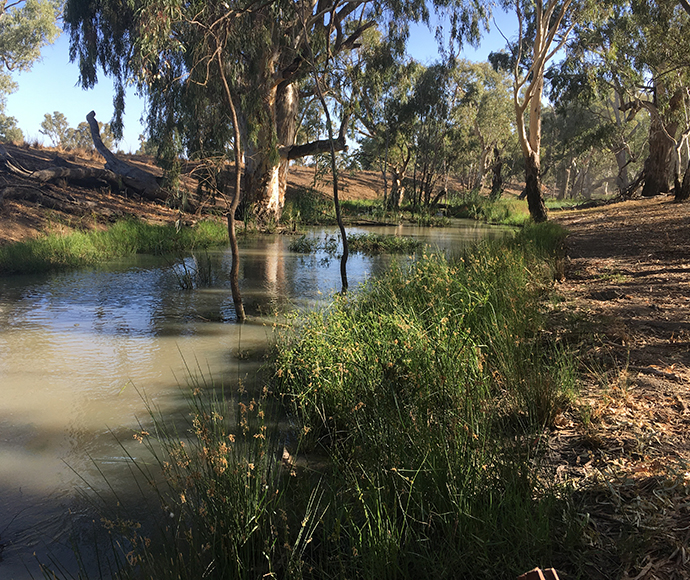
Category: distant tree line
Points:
column 587, row 96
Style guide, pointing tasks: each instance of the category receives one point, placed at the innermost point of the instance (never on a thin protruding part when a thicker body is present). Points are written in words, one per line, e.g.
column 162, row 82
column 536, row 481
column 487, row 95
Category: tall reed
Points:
column 127, row 237
column 416, row 411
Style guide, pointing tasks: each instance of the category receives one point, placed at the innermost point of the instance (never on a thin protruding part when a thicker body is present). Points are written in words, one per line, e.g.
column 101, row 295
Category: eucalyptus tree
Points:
column 55, row 127
column 197, row 61
column 543, row 29
column 436, row 129
column 640, row 54
column 26, row 26
column 485, row 109
column 660, row 87
column 590, row 112
column 382, row 81
column 9, row 130
column 80, row 137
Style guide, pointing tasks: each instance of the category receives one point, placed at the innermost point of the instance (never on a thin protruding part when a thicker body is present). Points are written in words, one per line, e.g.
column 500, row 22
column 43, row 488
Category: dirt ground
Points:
column 93, row 207
column 623, row 303
column 625, row 445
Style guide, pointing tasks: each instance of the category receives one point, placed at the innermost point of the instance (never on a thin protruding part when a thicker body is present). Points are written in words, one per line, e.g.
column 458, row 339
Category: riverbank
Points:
column 30, row 211
column 594, row 483
column 618, row 451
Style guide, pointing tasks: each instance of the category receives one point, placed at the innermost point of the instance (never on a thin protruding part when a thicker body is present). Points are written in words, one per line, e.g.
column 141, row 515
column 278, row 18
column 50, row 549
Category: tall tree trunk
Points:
column 334, row 167
column 622, row 179
column 397, row 188
column 497, row 179
column 622, row 152
column 398, row 171
column 232, row 210
column 533, row 192
column 267, row 153
column 563, row 193
column 385, row 173
column 548, row 20
column 657, row 164
column 683, row 193
column 483, row 168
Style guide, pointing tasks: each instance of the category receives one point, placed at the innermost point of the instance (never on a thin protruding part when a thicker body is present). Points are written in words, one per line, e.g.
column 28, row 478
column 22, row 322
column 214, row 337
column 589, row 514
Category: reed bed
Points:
column 367, row 244
column 412, row 416
column 125, row 238
column 429, row 391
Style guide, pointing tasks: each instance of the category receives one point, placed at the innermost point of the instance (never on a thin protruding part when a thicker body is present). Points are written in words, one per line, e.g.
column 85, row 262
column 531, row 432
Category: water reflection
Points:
column 79, row 349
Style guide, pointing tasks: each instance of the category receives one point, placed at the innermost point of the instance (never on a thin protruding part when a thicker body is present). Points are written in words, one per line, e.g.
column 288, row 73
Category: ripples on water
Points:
column 80, row 350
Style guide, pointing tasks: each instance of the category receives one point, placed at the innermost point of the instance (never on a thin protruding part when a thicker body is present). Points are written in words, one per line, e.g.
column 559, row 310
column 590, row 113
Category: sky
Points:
column 52, row 85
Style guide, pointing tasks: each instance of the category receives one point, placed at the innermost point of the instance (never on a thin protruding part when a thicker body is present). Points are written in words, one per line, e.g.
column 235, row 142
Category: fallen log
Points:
column 79, row 174
column 141, row 181
column 11, row 165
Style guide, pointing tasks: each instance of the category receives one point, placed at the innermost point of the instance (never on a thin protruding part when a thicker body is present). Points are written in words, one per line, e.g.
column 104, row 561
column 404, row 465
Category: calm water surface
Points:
column 81, row 352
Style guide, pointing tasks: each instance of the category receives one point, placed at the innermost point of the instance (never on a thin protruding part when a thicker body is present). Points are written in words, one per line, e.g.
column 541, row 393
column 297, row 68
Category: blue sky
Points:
column 51, row 85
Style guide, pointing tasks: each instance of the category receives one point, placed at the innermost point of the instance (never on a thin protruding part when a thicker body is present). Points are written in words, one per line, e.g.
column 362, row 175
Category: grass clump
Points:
column 430, row 391
column 510, row 212
column 368, row 244
column 307, row 206
column 383, row 244
column 125, row 238
column 224, row 495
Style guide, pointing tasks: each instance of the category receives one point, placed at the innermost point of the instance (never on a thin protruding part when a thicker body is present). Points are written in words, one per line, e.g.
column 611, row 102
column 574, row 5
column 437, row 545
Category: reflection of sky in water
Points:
column 74, row 344
column 141, row 299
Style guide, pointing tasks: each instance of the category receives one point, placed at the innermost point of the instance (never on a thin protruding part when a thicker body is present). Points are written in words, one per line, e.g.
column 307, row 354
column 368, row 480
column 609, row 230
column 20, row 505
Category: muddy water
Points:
column 82, row 353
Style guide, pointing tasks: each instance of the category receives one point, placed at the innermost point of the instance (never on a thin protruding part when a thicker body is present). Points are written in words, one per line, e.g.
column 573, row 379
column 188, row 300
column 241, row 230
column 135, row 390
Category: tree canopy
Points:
column 26, row 26
column 195, row 61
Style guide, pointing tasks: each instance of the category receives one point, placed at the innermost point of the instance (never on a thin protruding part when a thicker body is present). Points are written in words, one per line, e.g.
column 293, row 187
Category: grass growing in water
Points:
column 430, row 390
column 368, row 244
column 125, row 238
column 428, row 393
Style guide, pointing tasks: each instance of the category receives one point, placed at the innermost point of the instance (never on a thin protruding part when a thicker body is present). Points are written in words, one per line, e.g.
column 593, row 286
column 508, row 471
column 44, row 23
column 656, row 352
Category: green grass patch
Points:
column 383, row 244
column 125, row 238
column 511, row 212
column 417, row 410
column 430, row 390
column 368, row 244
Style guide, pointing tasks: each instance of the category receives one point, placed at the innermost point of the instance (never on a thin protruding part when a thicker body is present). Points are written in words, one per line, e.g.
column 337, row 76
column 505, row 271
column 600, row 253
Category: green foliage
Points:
column 635, row 60
column 512, row 212
column 81, row 140
column 146, row 146
column 9, row 131
column 307, row 206
column 26, row 27
column 428, row 390
column 55, row 127
column 79, row 249
column 369, row 244
column 382, row 244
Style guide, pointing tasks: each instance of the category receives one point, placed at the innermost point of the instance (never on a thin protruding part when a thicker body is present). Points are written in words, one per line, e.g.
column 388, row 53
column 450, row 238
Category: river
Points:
column 83, row 352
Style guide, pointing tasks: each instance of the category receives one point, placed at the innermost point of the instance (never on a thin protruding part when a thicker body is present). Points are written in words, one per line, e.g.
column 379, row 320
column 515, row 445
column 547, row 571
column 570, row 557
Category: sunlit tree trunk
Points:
column 497, row 179
column 549, row 37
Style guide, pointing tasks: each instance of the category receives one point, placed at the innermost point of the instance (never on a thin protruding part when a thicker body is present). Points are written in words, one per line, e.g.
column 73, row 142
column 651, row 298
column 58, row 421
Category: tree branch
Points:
column 313, row 148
